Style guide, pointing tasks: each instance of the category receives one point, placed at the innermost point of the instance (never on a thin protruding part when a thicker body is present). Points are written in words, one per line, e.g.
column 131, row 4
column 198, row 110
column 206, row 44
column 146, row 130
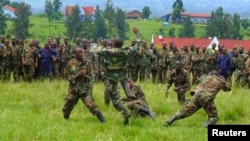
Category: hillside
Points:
column 158, row 7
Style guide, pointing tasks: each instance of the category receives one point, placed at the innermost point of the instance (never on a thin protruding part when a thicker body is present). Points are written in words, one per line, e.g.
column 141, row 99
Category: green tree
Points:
column 4, row 2
column 177, row 9
column 146, row 12
column 99, row 24
column 109, row 15
column 49, row 10
column 236, row 27
column 214, row 26
column 57, row 4
column 171, row 32
column 21, row 22
column 245, row 23
column 188, row 28
column 3, row 24
column 87, row 28
column 73, row 23
column 120, row 23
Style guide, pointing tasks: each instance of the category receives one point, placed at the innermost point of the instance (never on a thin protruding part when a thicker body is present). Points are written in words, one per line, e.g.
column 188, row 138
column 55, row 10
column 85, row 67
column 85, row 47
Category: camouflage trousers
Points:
column 240, row 78
column 199, row 100
column 72, row 99
column 28, row 71
column 112, row 91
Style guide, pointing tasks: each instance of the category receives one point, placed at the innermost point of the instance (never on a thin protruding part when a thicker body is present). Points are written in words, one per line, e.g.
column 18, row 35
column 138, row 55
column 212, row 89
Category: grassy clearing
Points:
column 32, row 111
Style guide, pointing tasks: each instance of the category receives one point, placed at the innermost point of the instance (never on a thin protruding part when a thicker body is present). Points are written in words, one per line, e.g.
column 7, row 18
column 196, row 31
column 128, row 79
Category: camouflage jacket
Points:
column 81, row 84
column 211, row 84
column 181, row 79
column 115, row 61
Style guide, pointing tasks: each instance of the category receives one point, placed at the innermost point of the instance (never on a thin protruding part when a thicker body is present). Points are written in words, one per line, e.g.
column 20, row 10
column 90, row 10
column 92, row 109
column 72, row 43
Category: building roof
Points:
column 194, row 15
column 88, row 10
column 179, row 42
column 134, row 13
column 9, row 8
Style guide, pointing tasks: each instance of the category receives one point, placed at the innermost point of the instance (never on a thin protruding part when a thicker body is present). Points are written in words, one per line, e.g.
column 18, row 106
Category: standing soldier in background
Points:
column 65, row 55
column 162, row 64
column 17, row 60
column 181, row 80
column 203, row 96
column 5, row 58
column 185, row 58
column 198, row 60
column 144, row 61
column 247, row 64
column 56, row 63
column 29, row 61
column 211, row 58
column 153, row 62
column 133, row 64
column 173, row 56
column 77, row 71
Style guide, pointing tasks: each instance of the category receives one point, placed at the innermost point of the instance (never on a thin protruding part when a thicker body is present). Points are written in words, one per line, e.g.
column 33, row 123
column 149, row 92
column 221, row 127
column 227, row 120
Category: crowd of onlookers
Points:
column 27, row 62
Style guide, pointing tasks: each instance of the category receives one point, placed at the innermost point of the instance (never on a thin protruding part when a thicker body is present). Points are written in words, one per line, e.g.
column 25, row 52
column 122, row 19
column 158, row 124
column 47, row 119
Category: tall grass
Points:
column 33, row 111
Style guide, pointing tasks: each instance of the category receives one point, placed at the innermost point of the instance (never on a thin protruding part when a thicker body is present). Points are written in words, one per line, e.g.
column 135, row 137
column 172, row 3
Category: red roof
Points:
column 88, row 10
column 179, row 42
column 194, row 15
column 69, row 9
column 10, row 8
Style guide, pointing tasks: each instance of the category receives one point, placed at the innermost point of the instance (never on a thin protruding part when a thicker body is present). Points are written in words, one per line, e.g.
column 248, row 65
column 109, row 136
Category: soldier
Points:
column 77, row 71
column 29, row 61
column 162, row 63
column 5, row 61
column 185, row 58
column 211, row 58
column 139, row 106
column 65, row 53
column 153, row 62
column 133, row 64
column 198, row 62
column 116, row 72
column 247, row 64
column 180, row 77
column 144, row 61
column 17, row 59
column 203, row 96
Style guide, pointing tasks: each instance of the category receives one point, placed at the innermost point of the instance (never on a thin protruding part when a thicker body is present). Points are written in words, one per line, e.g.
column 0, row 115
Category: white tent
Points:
column 214, row 40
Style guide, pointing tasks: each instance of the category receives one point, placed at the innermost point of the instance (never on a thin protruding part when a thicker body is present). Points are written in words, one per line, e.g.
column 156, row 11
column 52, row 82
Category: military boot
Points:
column 170, row 121
column 148, row 112
column 100, row 117
column 125, row 112
column 210, row 121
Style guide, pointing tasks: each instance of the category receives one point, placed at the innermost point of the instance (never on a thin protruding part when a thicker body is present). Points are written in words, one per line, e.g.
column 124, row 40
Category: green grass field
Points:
column 33, row 112
column 40, row 29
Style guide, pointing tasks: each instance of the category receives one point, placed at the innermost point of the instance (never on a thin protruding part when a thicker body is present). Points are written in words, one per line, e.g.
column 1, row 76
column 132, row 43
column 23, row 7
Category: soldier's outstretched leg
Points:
column 126, row 114
column 210, row 121
column 170, row 121
column 100, row 117
column 148, row 112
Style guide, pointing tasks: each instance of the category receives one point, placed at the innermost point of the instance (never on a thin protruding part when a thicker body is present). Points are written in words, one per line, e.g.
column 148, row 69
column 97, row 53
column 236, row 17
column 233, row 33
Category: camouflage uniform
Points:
column 240, row 72
column 162, row 65
column 203, row 96
column 115, row 71
column 65, row 53
column 173, row 56
column 144, row 62
column 185, row 58
column 29, row 59
column 247, row 65
column 211, row 59
column 17, row 62
column 78, row 87
column 198, row 62
column 181, row 82
column 5, row 61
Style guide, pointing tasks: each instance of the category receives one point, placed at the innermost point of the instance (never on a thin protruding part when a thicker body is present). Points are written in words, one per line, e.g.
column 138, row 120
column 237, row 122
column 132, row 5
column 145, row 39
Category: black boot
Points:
column 146, row 111
column 100, row 117
column 170, row 121
column 125, row 112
